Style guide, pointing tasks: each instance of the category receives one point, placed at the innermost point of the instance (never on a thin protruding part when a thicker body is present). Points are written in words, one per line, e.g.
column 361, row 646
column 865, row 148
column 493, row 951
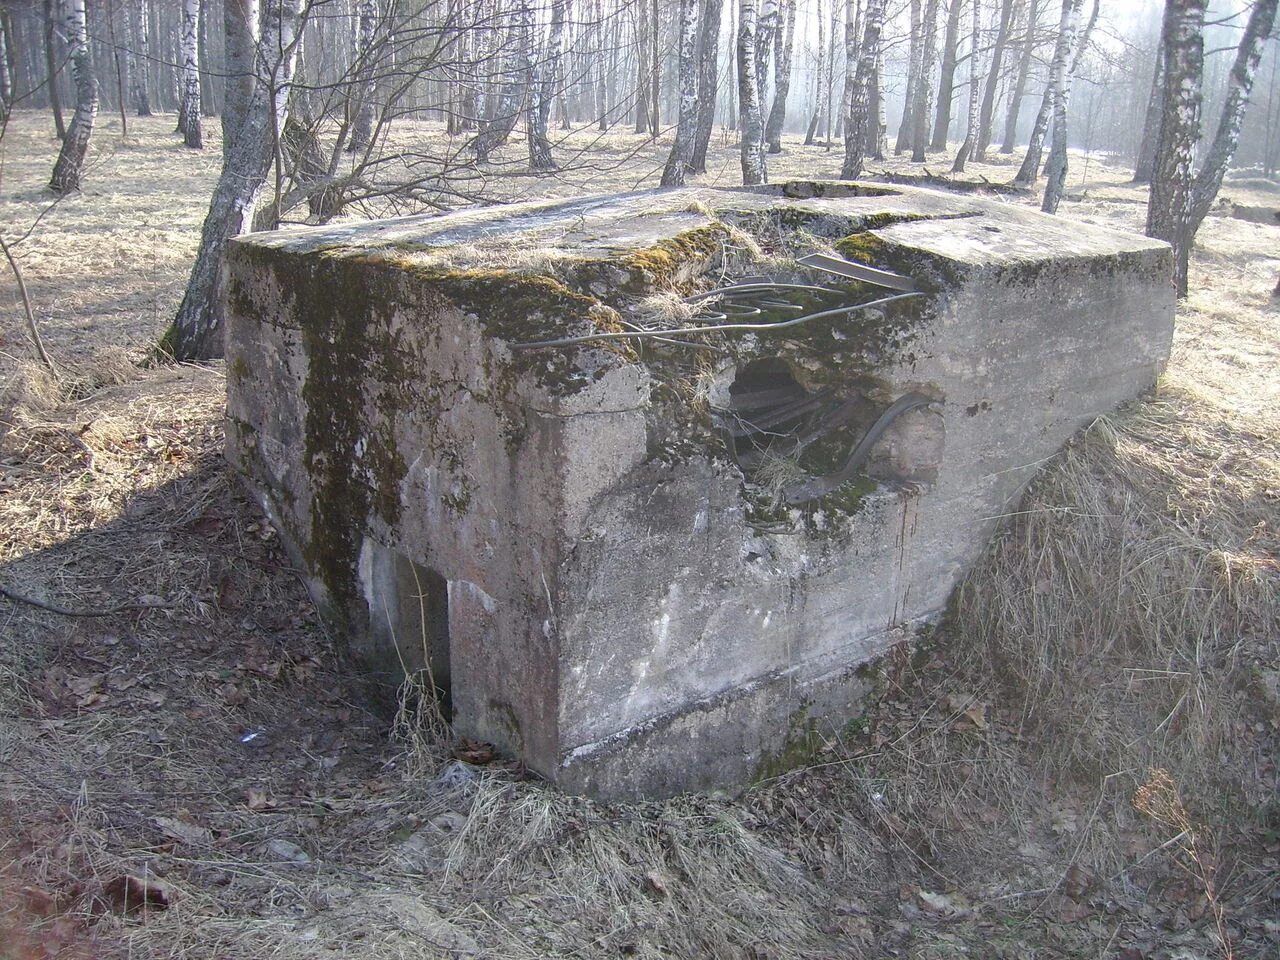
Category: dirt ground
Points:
column 201, row 775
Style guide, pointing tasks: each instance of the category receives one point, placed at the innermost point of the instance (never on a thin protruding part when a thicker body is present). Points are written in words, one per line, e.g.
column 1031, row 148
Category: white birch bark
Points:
column 681, row 157
column 754, row 169
column 69, row 166
column 1169, row 209
column 975, row 79
column 544, row 78
column 859, row 120
column 1060, row 78
column 190, row 123
column 196, row 333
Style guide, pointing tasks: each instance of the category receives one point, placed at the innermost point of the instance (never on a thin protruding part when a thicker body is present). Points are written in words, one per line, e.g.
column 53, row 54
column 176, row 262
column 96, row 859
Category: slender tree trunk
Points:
column 878, row 129
column 139, row 47
column 642, row 68
column 51, row 67
column 1169, row 210
column 824, row 64
column 924, row 89
column 832, row 45
column 947, row 81
column 6, row 78
column 754, row 169
column 782, row 48
column 361, row 111
column 1239, row 86
column 515, row 87
column 655, row 76
column 986, row 113
column 546, row 76
column 906, row 128
column 196, row 333
column 975, row 78
column 766, row 30
column 1060, row 79
column 240, row 30
column 189, row 115
column 1146, row 161
column 708, row 80
column 603, row 75
column 681, row 157
column 859, row 116
column 1020, row 80
column 70, row 163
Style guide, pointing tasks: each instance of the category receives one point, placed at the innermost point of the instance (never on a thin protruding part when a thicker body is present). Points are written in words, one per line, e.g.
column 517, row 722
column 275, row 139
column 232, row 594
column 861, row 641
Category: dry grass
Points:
column 1127, row 619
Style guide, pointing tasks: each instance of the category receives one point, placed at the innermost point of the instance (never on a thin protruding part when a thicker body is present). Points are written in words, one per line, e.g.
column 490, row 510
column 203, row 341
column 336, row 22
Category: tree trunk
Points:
column 681, row 157
column 752, row 148
column 1169, row 214
column 859, row 120
column 924, row 89
column 655, row 76
column 240, row 29
column 361, row 111
column 514, row 87
column 70, row 162
column 878, row 128
column 1030, row 168
column 907, row 127
column 139, row 56
column 642, row 68
column 51, row 68
column 766, row 30
column 1020, row 81
column 975, row 78
column 196, row 333
column 1146, row 160
column 781, row 76
column 947, row 82
column 832, row 40
column 1060, row 80
column 708, row 81
column 986, row 113
column 189, row 118
column 546, row 76
column 1239, row 85
column 819, row 115
column 6, row 78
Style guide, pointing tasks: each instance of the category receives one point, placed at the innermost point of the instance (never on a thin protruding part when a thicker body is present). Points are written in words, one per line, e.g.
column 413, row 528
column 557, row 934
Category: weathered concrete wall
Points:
column 564, row 534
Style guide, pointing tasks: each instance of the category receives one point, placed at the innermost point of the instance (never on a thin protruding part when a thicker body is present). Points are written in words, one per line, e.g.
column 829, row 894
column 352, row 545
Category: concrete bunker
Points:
column 644, row 480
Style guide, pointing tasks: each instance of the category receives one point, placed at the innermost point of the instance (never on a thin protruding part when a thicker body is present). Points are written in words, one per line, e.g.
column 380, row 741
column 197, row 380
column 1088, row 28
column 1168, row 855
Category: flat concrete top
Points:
column 967, row 230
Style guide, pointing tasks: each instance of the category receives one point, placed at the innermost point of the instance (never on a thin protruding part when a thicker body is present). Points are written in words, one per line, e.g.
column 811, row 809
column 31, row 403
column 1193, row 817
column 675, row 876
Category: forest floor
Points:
column 205, row 779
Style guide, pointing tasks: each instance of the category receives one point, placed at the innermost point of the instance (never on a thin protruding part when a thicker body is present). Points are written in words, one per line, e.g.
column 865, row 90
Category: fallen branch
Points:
column 32, row 331
column 85, row 612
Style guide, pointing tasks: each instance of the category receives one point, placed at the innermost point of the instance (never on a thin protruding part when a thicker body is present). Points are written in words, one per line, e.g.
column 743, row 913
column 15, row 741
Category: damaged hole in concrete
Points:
column 408, row 606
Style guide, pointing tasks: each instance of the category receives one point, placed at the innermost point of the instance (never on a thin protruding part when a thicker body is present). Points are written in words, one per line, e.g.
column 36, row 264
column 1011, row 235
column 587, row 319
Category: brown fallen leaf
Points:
column 256, row 799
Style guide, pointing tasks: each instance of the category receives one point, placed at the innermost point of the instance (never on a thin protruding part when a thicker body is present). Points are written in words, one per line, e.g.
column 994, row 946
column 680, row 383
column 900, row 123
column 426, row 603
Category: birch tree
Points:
column 858, row 118
column 975, row 78
column 1146, row 159
column 1060, row 79
column 196, row 333
column 542, row 92
column 681, row 158
column 6, row 78
column 754, row 169
column 924, row 88
column 1020, row 79
column 947, row 77
column 905, row 128
column 1169, row 209
column 708, row 80
column 820, row 104
column 69, row 166
column 138, row 55
column 189, row 119
column 1030, row 168
column 993, row 81
column 784, row 41
column 515, row 86
column 360, row 106
column 1239, row 85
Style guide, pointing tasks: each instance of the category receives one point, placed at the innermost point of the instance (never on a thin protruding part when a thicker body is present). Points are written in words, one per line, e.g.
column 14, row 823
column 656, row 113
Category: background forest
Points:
column 1080, row 762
